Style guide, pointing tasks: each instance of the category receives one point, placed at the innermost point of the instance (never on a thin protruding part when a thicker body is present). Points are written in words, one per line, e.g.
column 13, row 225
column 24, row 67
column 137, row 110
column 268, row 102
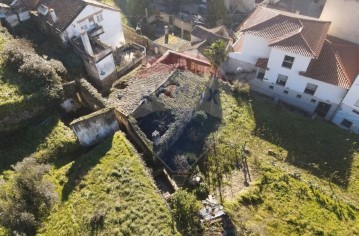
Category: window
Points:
column 313, row 101
column 346, row 123
column 271, row 87
column 299, row 96
column 285, row 91
column 99, row 18
column 288, row 62
column 84, row 27
column 260, row 74
column 356, row 103
column 282, row 80
column 310, row 89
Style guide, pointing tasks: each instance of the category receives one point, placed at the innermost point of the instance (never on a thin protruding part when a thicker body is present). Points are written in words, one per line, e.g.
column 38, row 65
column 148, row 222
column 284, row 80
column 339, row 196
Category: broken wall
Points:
column 93, row 128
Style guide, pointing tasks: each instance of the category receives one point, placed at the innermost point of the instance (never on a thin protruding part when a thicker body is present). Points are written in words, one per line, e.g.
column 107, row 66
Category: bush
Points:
column 28, row 199
column 185, row 209
column 18, row 54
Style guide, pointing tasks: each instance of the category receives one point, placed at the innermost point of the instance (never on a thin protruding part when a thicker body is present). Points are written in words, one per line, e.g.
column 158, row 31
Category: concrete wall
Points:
column 305, row 102
column 344, row 17
column 253, row 48
column 111, row 23
column 95, row 127
column 349, row 104
column 106, row 66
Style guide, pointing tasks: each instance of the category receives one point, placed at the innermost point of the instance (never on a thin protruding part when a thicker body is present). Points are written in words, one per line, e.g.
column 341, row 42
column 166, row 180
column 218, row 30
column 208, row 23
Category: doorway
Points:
column 322, row 109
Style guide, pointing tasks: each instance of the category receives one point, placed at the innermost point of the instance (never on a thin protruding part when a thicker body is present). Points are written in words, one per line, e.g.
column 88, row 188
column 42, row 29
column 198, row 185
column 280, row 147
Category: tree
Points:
column 185, row 209
column 27, row 198
column 216, row 12
column 216, row 54
column 136, row 10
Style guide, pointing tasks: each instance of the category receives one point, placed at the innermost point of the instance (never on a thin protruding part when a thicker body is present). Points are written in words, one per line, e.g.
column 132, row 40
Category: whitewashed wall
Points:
column 253, row 48
column 111, row 24
column 106, row 65
column 348, row 105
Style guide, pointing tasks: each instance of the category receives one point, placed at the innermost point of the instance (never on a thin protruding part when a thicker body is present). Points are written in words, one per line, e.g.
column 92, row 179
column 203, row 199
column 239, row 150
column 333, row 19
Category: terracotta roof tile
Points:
column 288, row 31
column 174, row 43
column 200, row 33
column 140, row 84
column 337, row 63
column 262, row 63
column 67, row 10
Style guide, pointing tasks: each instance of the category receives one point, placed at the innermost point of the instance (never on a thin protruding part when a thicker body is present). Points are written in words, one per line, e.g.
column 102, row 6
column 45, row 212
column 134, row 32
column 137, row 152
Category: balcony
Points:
column 95, row 30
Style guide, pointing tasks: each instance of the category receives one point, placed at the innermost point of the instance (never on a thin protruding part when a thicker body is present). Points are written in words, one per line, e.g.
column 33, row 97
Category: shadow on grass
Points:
column 317, row 146
column 83, row 165
column 51, row 49
column 17, row 145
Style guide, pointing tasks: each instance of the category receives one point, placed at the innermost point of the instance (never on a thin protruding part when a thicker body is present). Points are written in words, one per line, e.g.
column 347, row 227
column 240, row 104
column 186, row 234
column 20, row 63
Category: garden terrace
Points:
column 127, row 57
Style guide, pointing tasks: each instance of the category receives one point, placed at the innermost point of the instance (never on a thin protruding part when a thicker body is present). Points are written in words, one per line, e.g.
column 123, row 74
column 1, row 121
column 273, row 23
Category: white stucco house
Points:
column 297, row 62
column 93, row 29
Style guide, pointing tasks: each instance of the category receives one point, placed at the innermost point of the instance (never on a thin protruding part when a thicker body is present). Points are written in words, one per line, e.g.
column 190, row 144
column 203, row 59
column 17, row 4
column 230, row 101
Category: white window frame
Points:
column 261, row 71
column 280, row 79
column 99, row 18
column 310, row 89
column 288, row 60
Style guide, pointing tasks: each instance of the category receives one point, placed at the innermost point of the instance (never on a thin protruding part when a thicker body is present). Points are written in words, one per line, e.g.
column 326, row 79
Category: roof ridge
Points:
column 292, row 14
column 339, row 60
column 305, row 41
column 284, row 36
column 261, row 22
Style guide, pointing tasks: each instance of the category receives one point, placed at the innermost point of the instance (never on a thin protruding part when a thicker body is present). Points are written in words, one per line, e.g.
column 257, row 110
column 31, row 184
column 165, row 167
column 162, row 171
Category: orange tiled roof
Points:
column 337, row 63
column 262, row 63
column 287, row 31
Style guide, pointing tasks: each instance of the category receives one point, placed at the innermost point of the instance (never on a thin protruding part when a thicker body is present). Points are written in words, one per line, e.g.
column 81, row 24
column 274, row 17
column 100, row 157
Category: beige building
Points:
column 344, row 17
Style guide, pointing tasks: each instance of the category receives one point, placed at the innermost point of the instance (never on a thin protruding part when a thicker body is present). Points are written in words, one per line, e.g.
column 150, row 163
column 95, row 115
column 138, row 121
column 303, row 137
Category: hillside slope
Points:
column 108, row 191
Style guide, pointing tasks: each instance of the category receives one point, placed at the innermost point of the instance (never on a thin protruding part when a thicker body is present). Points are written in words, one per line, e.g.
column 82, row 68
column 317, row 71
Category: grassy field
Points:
column 309, row 187
column 49, row 140
column 111, row 182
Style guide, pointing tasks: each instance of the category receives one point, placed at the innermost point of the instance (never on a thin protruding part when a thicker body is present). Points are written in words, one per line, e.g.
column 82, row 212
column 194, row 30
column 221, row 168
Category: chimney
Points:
column 166, row 34
column 53, row 15
column 86, row 42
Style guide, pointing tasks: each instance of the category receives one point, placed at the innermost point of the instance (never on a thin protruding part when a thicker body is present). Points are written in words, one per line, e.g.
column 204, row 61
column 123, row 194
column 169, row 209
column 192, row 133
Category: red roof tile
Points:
column 337, row 63
column 262, row 63
column 288, row 31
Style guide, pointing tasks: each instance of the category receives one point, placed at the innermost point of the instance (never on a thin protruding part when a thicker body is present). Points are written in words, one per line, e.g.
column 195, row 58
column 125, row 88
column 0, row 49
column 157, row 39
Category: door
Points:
column 322, row 109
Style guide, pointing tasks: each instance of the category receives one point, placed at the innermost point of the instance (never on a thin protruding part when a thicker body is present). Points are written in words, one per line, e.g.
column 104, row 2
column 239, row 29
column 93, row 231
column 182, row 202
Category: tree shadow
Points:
column 318, row 146
column 83, row 165
column 18, row 144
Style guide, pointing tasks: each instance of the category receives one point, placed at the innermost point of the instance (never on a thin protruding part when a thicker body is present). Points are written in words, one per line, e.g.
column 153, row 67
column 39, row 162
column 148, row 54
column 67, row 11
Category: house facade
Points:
column 93, row 29
column 295, row 61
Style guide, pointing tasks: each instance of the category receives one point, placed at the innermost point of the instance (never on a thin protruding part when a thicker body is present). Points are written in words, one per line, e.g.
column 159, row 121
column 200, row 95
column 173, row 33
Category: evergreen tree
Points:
column 216, row 12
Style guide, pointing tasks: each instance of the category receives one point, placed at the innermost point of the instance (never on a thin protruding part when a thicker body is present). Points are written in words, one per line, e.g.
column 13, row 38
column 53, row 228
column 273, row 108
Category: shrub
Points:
column 15, row 51
column 19, row 54
column 28, row 198
column 185, row 209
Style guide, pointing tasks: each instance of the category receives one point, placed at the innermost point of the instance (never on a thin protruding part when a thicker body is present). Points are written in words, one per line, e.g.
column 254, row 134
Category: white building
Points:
column 93, row 29
column 295, row 61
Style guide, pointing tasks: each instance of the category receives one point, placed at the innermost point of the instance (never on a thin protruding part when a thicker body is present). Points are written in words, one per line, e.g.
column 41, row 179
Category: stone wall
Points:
column 131, row 36
column 93, row 128
column 90, row 94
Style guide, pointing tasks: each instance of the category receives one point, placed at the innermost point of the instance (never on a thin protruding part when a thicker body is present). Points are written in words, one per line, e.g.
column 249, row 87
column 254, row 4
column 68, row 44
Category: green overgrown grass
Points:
column 107, row 191
column 279, row 204
column 48, row 140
